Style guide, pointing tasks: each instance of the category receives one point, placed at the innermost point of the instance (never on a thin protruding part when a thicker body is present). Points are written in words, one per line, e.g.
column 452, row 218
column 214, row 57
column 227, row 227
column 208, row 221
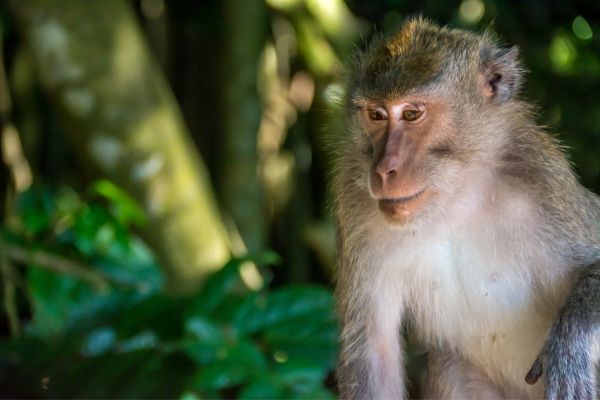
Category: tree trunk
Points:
column 243, row 196
column 123, row 120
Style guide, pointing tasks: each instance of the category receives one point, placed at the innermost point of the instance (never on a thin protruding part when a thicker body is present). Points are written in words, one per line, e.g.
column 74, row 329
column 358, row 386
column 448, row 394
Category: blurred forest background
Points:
column 166, row 229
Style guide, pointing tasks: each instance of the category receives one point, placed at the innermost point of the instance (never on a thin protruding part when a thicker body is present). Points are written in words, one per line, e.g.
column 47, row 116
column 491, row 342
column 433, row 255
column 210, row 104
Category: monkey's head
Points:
column 423, row 103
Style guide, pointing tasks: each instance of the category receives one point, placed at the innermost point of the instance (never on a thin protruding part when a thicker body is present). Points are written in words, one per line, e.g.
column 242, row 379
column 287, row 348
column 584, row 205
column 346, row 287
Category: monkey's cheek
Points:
column 402, row 213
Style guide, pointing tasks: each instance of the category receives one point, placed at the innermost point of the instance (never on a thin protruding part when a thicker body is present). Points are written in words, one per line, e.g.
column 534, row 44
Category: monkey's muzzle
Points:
column 402, row 209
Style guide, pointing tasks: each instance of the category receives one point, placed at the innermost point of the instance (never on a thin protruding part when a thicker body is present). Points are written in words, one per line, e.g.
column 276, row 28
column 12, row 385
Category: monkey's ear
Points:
column 501, row 74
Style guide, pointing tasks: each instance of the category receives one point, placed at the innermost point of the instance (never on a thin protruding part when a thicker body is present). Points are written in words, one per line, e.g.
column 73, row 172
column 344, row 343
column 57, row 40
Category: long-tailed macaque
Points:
column 460, row 219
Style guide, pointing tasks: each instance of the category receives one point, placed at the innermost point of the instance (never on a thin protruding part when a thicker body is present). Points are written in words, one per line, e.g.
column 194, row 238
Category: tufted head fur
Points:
column 421, row 55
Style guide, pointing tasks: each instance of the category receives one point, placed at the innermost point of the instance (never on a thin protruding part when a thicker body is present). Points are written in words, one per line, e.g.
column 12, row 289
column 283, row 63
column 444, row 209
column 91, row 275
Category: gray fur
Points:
column 500, row 137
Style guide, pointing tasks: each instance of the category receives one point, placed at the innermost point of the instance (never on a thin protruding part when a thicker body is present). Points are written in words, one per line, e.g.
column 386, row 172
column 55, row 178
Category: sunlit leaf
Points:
column 125, row 208
column 562, row 53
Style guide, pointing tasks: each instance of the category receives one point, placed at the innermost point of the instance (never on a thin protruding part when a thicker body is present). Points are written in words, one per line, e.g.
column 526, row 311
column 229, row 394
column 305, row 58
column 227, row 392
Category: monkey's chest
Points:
column 478, row 301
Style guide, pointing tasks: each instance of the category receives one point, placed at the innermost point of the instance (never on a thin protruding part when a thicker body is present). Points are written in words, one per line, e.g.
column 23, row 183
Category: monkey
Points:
column 460, row 221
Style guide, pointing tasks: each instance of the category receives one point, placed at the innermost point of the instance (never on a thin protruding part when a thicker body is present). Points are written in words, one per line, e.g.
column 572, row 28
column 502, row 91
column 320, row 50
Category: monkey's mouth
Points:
column 401, row 209
column 404, row 199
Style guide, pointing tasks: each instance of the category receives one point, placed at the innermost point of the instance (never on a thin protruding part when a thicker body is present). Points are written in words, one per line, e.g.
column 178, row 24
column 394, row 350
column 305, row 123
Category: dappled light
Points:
column 582, row 29
column 12, row 152
column 152, row 8
column 562, row 53
column 167, row 227
column 471, row 11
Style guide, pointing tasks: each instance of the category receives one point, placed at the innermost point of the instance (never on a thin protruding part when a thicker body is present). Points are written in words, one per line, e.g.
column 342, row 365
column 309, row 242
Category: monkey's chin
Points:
column 402, row 210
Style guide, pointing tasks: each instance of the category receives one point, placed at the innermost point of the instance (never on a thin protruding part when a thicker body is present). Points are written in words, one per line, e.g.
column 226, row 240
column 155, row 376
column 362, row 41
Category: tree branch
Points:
column 54, row 263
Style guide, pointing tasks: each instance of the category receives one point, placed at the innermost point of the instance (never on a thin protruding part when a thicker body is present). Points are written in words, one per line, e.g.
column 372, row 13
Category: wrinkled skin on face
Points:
column 405, row 137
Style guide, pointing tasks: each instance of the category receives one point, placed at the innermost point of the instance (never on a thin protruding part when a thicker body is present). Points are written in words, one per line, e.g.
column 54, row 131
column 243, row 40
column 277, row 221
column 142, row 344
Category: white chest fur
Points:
column 486, row 289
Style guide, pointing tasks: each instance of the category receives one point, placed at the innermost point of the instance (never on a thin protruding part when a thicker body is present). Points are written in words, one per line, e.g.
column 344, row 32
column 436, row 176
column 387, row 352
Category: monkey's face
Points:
column 406, row 144
column 425, row 107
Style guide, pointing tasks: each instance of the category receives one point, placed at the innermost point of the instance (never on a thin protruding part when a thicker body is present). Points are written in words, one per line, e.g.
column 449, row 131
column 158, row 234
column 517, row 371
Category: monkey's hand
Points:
column 566, row 362
column 566, row 358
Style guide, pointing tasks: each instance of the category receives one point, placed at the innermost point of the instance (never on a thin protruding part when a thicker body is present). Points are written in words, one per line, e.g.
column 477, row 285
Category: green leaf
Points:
column 311, row 339
column 89, row 223
column 187, row 395
column 161, row 314
column 217, row 289
column 312, row 393
column 240, row 364
column 144, row 340
column 319, row 327
column 203, row 353
column 267, row 387
column 54, row 297
column 257, row 313
column 266, row 258
column 207, row 341
column 36, row 208
column 134, row 267
column 203, row 329
column 124, row 207
column 301, row 373
column 99, row 341
column 67, row 201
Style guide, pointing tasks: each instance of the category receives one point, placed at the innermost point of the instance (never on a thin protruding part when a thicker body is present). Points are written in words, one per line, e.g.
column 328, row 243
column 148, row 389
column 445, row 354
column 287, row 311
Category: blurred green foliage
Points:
column 89, row 300
column 130, row 340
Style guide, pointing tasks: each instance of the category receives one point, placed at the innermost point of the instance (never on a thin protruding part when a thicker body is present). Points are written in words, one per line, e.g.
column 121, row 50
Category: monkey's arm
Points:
column 371, row 361
column 567, row 358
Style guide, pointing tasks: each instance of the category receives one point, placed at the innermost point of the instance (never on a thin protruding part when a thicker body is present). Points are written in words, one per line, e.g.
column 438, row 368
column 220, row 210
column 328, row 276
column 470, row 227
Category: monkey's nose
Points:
column 387, row 167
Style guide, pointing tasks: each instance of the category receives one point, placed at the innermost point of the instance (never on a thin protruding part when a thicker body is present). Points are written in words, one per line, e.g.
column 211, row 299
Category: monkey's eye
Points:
column 411, row 115
column 377, row 115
